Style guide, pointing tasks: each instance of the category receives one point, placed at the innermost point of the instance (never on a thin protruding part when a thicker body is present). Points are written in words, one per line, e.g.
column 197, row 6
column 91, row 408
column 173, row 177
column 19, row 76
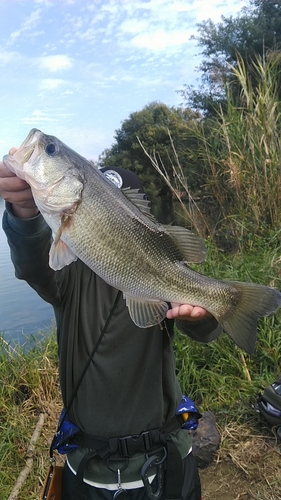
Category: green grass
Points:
column 29, row 385
column 217, row 374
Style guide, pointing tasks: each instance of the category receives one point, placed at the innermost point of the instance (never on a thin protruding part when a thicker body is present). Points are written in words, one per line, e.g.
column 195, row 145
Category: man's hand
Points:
column 17, row 192
column 187, row 312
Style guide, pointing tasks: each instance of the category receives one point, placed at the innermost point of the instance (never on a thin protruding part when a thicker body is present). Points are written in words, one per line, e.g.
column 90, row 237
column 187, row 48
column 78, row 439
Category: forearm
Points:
column 29, row 241
column 204, row 330
column 22, row 212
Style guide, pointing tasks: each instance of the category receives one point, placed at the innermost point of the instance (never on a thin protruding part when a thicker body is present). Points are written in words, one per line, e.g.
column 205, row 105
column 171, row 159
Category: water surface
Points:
column 22, row 311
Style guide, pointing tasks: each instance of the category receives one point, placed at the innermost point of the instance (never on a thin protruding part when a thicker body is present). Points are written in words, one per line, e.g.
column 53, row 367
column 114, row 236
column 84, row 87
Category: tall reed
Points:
column 237, row 153
column 241, row 150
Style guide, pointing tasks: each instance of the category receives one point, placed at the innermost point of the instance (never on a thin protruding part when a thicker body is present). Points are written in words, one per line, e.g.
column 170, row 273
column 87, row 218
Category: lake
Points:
column 22, row 311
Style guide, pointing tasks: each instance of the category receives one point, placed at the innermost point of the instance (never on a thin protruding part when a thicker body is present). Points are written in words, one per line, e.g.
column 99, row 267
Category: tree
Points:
column 151, row 129
column 255, row 31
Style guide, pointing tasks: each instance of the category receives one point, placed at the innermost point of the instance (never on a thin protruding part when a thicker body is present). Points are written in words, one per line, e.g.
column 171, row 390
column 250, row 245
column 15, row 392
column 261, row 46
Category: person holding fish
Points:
column 86, row 242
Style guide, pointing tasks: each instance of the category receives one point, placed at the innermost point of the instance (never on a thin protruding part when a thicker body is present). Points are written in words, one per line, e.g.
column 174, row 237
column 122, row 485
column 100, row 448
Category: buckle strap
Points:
column 102, row 446
column 129, row 445
column 126, row 446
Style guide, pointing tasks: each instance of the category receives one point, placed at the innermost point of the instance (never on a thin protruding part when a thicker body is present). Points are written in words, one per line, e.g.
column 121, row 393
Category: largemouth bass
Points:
column 112, row 232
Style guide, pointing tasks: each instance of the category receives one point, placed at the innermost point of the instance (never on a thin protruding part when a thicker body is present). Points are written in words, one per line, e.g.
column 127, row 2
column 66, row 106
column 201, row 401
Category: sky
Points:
column 76, row 69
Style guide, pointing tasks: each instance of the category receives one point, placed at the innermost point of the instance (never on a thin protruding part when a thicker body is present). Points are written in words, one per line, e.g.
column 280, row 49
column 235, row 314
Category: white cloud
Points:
column 40, row 117
column 88, row 142
column 134, row 26
column 160, row 40
column 112, row 7
column 46, row 3
column 27, row 25
column 55, row 63
column 161, row 25
column 6, row 57
column 217, row 8
column 52, row 83
column 37, row 116
column 156, row 25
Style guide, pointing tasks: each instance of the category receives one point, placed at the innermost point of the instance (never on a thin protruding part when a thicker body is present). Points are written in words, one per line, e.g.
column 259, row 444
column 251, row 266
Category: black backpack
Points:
column 269, row 404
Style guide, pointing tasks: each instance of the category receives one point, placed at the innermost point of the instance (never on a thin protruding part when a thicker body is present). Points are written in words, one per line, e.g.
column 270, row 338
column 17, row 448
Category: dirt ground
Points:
column 246, row 467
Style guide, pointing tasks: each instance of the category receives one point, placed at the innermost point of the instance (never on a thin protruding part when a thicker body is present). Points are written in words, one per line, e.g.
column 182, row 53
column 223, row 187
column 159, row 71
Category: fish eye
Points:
column 50, row 149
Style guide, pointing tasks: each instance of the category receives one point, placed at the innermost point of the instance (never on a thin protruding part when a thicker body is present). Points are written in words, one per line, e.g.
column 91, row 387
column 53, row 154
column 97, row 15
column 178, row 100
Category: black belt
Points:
column 126, row 446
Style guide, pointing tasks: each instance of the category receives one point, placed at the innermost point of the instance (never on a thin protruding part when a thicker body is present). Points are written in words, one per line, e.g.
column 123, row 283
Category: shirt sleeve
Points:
column 29, row 241
column 204, row 330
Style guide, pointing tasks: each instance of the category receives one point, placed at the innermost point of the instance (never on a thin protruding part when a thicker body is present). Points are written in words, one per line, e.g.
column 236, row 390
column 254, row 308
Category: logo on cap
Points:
column 114, row 177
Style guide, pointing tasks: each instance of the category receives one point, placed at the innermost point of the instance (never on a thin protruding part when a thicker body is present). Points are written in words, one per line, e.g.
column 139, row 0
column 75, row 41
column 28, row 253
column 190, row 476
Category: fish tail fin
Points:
column 255, row 301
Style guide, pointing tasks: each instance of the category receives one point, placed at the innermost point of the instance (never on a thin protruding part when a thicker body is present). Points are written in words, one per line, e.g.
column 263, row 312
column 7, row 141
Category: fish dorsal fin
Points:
column 146, row 313
column 191, row 246
column 139, row 200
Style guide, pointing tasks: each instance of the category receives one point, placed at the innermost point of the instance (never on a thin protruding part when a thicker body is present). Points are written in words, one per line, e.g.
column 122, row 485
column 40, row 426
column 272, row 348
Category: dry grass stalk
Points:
column 257, row 455
column 193, row 212
column 29, row 459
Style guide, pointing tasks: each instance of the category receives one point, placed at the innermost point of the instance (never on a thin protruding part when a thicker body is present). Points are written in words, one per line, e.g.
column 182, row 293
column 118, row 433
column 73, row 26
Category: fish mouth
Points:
column 17, row 162
column 26, row 150
column 28, row 154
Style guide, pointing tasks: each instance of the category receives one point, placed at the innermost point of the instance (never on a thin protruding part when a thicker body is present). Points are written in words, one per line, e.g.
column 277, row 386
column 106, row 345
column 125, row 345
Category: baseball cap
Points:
column 122, row 178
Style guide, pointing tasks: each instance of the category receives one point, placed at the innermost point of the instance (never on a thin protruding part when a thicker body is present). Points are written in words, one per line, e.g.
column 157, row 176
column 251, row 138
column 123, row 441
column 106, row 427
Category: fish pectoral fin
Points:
column 60, row 255
column 145, row 313
column 191, row 246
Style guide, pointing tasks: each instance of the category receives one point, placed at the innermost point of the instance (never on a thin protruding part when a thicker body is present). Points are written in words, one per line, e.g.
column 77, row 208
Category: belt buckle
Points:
column 128, row 444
